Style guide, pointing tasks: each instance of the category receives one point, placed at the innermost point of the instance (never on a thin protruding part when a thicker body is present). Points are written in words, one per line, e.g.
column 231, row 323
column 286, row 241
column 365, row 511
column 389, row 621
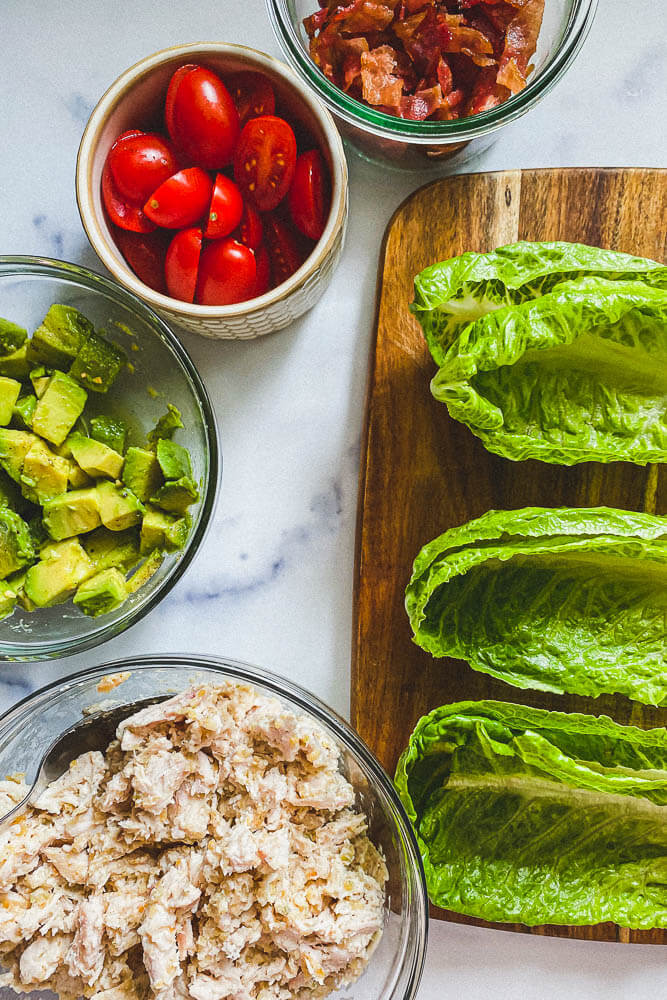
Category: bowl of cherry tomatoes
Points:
column 213, row 185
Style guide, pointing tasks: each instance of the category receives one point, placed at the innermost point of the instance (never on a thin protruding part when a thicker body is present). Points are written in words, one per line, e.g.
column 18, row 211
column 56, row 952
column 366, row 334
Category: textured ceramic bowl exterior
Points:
column 136, row 100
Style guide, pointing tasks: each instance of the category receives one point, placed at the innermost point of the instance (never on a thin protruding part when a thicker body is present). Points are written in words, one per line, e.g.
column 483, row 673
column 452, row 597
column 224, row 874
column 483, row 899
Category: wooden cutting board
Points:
column 422, row 472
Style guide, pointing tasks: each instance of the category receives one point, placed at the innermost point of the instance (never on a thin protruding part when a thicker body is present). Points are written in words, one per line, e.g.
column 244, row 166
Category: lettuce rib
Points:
column 539, row 817
column 563, row 600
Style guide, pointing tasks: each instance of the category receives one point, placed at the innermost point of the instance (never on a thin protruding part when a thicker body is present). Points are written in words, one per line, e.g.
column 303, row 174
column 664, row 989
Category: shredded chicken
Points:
column 213, row 853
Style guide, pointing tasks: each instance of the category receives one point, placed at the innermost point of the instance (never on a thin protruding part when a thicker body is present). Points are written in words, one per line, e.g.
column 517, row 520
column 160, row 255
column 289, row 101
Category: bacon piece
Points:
column 520, row 44
column 487, row 93
column 379, row 85
column 471, row 42
column 421, row 105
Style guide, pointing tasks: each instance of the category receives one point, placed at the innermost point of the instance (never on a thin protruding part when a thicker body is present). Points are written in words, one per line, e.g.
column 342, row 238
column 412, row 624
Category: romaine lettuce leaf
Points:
column 455, row 292
column 579, row 374
column 539, row 817
column 556, row 599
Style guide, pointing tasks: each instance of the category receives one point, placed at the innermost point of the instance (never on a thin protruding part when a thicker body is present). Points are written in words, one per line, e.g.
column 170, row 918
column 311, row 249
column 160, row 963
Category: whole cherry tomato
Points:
column 139, row 164
column 227, row 273
column 263, row 276
column 284, row 251
column 180, row 200
column 309, row 195
column 250, row 230
column 202, row 119
column 122, row 212
column 145, row 253
column 253, row 95
column 225, row 210
column 182, row 264
column 264, row 161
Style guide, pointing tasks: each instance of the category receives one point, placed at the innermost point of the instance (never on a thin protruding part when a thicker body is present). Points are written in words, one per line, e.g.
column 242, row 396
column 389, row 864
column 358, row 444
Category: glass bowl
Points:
column 395, row 968
column 441, row 145
column 161, row 372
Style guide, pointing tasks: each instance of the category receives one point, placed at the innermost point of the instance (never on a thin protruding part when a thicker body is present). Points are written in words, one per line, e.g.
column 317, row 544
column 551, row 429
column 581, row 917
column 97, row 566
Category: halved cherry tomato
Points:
column 309, row 195
column 121, row 211
column 250, row 230
column 180, row 200
column 145, row 253
column 227, row 273
column 225, row 210
column 263, row 276
column 174, row 84
column 284, row 251
column 253, row 95
column 202, row 119
column 182, row 264
column 139, row 164
column 264, row 161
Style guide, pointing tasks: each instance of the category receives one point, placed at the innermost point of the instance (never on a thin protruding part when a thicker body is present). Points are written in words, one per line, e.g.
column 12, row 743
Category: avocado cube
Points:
column 16, row 548
column 101, row 593
column 60, row 336
column 119, row 507
column 53, row 579
column 97, row 363
column 112, row 548
column 174, row 459
column 78, row 479
column 59, row 408
column 14, row 446
column 12, row 337
column 148, row 568
column 142, row 473
column 176, row 495
column 10, row 495
column 44, row 474
column 8, row 598
column 166, row 425
column 9, row 393
column 16, row 582
column 110, row 431
column 38, row 532
column 73, row 513
column 160, row 530
column 40, row 379
column 24, row 407
column 16, row 364
column 95, row 458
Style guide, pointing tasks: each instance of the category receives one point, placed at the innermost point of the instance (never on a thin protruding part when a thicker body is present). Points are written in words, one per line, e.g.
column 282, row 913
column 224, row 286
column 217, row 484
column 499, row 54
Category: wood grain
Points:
column 421, row 472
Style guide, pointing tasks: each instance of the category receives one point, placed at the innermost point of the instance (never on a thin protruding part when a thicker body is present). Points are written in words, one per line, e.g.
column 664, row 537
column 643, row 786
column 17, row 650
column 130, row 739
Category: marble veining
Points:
column 273, row 582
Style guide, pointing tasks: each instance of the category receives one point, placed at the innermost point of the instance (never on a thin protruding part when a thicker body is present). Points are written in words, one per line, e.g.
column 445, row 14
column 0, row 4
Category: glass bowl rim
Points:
column 580, row 19
column 307, row 702
column 21, row 266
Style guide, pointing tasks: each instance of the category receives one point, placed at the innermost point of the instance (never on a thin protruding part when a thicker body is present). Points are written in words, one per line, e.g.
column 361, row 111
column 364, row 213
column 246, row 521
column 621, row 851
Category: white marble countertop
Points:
column 273, row 583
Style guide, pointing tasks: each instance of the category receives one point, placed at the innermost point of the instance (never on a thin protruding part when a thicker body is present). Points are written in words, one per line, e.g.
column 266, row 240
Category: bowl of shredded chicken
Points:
column 213, row 851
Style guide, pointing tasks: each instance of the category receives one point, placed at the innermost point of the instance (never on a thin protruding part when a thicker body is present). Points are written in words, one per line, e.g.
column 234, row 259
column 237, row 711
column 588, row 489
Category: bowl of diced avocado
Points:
column 109, row 459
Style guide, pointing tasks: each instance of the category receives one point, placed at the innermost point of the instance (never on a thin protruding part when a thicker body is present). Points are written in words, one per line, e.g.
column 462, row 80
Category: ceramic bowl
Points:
column 136, row 100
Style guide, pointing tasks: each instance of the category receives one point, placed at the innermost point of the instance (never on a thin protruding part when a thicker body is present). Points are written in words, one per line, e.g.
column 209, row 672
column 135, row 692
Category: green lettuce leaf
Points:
column 539, row 817
column 455, row 292
column 577, row 375
column 554, row 599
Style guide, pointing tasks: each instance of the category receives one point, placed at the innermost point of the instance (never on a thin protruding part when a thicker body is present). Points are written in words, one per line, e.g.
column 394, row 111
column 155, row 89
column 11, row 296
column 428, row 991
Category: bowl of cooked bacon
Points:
column 419, row 82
